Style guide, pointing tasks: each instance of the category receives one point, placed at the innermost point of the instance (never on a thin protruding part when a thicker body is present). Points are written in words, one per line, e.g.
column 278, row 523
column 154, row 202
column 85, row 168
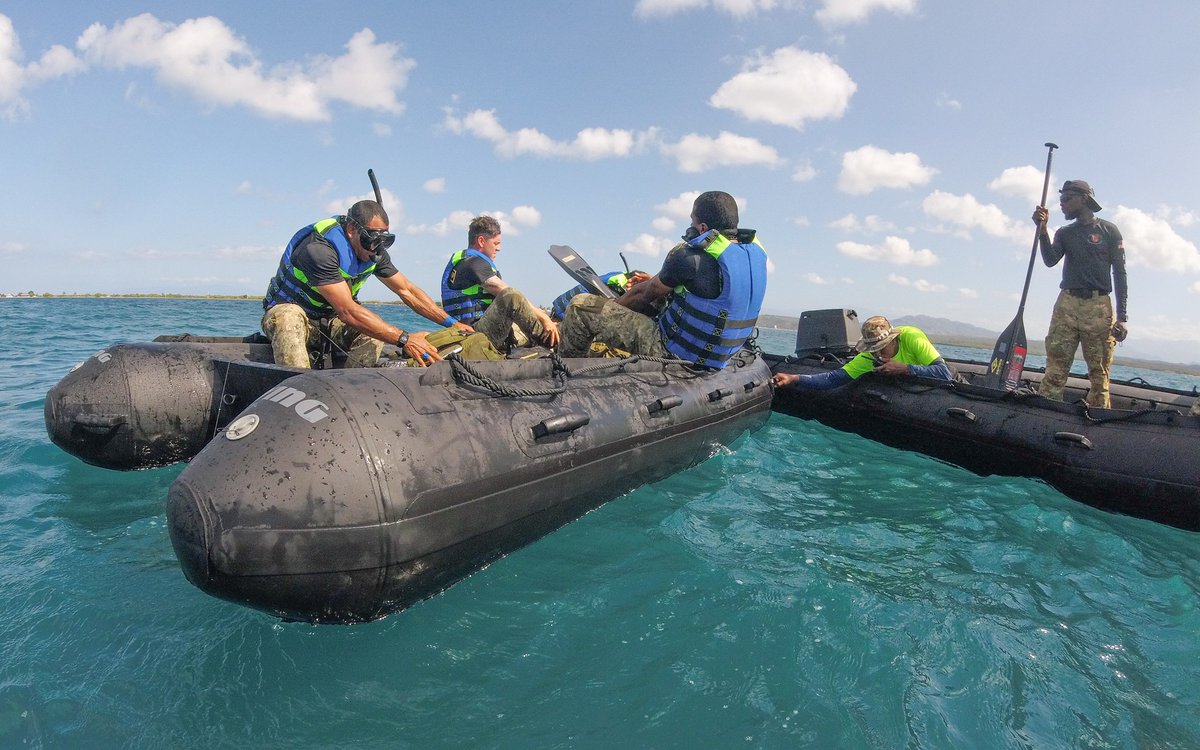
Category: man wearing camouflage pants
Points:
column 1083, row 315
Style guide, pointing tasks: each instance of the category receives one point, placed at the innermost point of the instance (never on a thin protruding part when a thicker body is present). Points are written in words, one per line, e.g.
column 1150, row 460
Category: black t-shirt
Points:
column 470, row 271
column 318, row 259
column 693, row 268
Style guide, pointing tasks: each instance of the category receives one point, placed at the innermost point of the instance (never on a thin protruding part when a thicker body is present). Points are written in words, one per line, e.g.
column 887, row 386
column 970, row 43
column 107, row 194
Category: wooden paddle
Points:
column 1008, row 358
column 579, row 269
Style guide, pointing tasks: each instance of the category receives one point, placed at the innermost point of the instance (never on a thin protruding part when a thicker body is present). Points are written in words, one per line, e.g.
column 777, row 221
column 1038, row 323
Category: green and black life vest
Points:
column 291, row 284
column 466, row 305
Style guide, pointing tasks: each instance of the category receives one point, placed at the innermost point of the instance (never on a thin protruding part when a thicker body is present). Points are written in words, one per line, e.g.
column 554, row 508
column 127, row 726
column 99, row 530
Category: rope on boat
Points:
column 1087, row 414
column 463, row 372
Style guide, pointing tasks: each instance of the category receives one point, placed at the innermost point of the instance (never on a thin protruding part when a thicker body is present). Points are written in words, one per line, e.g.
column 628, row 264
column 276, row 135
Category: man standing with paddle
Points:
column 1083, row 313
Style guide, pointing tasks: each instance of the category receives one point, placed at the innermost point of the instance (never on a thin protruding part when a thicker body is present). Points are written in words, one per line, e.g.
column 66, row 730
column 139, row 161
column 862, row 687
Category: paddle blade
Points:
column 579, row 270
column 1008, row 358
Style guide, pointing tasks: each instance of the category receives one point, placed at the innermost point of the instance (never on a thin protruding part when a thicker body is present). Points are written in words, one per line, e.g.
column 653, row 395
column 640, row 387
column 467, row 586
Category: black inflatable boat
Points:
column 1141, row 457
column 345, row 495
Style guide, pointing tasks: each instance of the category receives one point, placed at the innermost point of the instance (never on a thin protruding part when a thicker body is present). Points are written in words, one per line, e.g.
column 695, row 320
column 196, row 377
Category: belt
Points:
column 1086, row 293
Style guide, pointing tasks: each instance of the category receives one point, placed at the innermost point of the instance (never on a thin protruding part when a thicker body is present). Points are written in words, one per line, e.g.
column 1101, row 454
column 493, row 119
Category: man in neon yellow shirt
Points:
column 883, row 349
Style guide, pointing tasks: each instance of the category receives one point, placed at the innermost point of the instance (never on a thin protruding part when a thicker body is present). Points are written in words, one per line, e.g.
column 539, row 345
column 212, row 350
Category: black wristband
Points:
column 402, row 340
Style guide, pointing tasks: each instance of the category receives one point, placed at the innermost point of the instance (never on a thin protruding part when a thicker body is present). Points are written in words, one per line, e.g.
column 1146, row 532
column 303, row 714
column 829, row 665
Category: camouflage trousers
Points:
column 293, row 335
column 1076, row 323
column 593, row 319
column 511, row 320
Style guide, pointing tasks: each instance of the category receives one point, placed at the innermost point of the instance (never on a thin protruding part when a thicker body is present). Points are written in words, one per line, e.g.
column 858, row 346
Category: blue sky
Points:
column 888, row 151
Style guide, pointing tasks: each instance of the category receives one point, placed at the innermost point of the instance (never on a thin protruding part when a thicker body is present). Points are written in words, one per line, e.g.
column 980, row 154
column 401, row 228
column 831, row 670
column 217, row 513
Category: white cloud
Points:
column 869, row 168
column 8, row 247
column 245, row 186
column 434, row 185
column 968, row 293
column 383, row 130
column 511, row 222
column 868, row 224
column 788, row 88
column 843, row 12
column 456, row 222
column 945, row 101
column 1023, row 182
column 968, row 213
column 736, row 8
column 1175, row 215
column 1150, row 242
column 697, row 153
column 246, row 252
column 526, row 216
column 1195, row 288
column 893, row 249
column 679, row 208
column 391, row 204
column 15, row 78
column 814, row 278
column 647, row 244
column 804, row 173
column 921, row 285
column 205, row 58
column 589, row 144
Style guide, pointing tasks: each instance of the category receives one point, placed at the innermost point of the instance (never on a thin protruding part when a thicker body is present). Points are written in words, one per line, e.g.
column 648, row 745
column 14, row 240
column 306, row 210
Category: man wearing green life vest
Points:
column 905, row 350
column 474, row 293
column 313, row 298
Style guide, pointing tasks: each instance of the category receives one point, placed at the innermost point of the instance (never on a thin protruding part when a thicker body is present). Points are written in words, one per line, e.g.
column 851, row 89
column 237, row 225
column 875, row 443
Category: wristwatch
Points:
column 402, row 340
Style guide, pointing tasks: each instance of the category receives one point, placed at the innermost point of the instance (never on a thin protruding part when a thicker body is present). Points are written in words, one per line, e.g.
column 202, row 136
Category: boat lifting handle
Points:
column 1074, row 437
column 751, row 385
column 559, row 425
column 666, row 403
column 719, row 394
column 958, row 411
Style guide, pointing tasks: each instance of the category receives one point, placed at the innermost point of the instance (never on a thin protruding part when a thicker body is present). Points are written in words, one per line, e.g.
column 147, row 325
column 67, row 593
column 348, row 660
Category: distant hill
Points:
column 934, row 327
column 930, row 325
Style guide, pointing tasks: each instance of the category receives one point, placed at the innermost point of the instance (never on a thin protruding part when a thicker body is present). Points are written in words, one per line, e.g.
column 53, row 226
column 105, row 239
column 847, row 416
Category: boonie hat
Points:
column 1082, row 188
column 877, row 332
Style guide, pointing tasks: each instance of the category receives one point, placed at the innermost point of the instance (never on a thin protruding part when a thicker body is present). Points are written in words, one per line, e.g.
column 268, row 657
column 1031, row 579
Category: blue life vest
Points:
column 616, row 281
column 709, row 331
column 291, row 284
column 467, row 305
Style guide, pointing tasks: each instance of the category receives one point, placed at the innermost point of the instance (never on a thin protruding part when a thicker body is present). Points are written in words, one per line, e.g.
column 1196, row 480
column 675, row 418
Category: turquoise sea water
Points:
column 805, row 588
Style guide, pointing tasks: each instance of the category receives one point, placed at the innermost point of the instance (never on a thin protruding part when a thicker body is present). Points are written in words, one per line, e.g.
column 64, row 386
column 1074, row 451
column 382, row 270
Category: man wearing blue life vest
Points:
column 905, row 350
column 618, row 282
column 474, row 293
column 714, row 283
column 313, row 298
